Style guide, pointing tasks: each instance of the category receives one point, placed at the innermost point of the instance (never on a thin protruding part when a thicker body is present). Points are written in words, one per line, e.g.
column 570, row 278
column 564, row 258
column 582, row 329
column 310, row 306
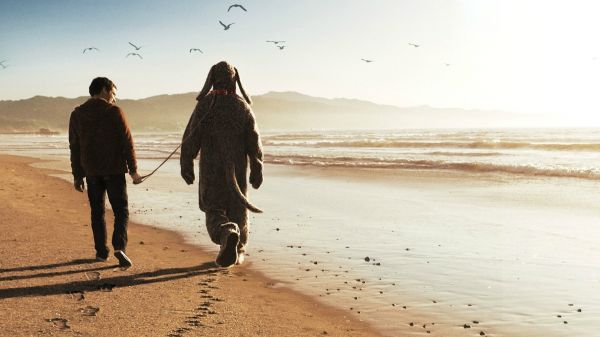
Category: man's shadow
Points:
column 54, row 273
column 106, row 284
column 48, row 266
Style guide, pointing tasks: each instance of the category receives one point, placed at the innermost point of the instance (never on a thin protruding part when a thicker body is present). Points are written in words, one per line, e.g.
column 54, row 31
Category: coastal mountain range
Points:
column 273, row 110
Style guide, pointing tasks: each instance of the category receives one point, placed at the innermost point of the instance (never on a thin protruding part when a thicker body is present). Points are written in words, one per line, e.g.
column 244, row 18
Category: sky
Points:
column 524, row 56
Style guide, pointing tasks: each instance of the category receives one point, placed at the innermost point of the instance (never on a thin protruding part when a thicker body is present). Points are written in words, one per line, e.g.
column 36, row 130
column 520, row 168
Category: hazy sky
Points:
column 520, row 56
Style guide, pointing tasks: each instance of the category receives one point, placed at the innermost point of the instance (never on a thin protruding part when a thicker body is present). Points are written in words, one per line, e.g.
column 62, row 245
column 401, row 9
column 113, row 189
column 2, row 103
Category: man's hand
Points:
column 136, row 178
column 256, row 179
column 188, row 176
column 79, row 184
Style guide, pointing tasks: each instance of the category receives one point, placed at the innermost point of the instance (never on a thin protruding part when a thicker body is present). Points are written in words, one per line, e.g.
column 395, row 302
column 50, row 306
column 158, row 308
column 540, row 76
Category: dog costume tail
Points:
column 235, row 188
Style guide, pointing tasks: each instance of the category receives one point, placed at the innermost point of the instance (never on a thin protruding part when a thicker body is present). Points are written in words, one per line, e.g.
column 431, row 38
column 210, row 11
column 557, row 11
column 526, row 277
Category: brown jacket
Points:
column 100, row 140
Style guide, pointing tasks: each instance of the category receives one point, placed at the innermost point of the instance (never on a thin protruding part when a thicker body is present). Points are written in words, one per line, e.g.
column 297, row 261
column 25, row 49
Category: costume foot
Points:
column 228, row 253
column 241, row 258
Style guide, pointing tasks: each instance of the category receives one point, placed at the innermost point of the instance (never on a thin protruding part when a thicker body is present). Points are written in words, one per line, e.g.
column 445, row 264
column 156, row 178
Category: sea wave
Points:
column 407, row 164
column 383, row 143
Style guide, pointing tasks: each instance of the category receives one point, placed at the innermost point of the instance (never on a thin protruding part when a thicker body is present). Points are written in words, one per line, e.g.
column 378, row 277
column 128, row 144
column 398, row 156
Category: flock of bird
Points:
column 191, row 50
column 276, row 43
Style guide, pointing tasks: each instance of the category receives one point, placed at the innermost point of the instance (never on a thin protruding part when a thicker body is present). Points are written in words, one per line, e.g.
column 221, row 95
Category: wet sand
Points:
column 49, row 282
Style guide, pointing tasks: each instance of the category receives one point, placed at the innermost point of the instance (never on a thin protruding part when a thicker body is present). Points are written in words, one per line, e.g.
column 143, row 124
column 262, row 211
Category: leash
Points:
column 172, row 153
column 160, row 165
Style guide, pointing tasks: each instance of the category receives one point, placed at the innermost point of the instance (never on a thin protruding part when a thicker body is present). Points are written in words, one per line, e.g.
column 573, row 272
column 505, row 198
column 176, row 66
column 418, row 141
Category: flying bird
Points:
column 368, row 61
column 196, row 49
column 414, row 45
column 135, row 54
column 4, row 66
column 90, row 49
column 275, row 42
column 136, row 47
column 226, row 27
column 236, row 5
column 447, row 64
column 280, row 47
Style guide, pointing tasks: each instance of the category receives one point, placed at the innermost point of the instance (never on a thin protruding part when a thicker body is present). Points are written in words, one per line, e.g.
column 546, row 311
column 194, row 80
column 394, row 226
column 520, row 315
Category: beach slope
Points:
column 49, row 281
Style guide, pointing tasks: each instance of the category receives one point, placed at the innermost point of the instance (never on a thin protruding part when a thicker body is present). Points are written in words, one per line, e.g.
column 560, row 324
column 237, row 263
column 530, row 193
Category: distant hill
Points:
column 274, row 110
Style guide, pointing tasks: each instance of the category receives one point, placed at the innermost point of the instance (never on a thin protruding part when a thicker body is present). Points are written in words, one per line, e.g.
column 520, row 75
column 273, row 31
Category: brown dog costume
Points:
column 222, row 128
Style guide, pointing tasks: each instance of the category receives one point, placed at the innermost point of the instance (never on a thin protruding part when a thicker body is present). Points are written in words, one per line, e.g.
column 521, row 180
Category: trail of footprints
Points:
column 201, row 318
column 61, row 323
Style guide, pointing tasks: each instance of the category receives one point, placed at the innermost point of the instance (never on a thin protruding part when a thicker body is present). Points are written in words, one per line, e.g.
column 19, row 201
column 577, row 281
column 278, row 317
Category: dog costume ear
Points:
column 239, row 83
column 207, row 85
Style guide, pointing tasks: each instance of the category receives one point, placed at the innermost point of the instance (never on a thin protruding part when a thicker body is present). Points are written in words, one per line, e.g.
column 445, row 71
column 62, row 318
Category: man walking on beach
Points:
column 102, row 151
column 223, row 130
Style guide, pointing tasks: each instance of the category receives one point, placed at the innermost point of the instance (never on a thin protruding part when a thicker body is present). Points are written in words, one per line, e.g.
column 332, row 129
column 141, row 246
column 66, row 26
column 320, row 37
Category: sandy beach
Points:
column 363, row 249
column 50, row 284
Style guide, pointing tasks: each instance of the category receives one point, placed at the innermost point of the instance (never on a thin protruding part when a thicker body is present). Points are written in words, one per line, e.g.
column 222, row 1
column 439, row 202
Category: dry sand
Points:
column 50, row 285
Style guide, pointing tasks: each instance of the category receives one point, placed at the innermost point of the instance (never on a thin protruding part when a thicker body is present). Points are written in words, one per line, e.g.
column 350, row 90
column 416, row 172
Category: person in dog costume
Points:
column 223, row 129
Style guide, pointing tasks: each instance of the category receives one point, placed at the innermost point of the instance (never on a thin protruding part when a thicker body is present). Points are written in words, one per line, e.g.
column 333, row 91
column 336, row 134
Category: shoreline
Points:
column 410, row 286
column 51, row 284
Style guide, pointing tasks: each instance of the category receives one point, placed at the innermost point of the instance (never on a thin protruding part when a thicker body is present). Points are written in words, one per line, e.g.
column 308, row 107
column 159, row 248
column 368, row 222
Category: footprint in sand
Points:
column 194, row 322
column 89, row 311
column 182, row 330
column 60, row 323
column 77, row 295
column 92, row 275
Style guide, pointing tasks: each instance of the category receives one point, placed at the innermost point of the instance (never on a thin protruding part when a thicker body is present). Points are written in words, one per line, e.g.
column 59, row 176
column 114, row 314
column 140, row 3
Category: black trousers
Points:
column 116, row 188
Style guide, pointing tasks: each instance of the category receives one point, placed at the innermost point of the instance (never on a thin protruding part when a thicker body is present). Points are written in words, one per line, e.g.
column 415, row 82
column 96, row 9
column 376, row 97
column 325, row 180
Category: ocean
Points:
column 464, row 231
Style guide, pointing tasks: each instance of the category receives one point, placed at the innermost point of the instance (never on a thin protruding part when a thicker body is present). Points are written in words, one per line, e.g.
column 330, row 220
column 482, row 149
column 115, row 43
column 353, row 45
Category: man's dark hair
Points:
column 100, row 83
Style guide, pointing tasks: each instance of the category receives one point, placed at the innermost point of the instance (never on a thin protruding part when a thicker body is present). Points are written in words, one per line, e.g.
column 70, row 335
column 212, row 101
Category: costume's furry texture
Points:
column 222, row 128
